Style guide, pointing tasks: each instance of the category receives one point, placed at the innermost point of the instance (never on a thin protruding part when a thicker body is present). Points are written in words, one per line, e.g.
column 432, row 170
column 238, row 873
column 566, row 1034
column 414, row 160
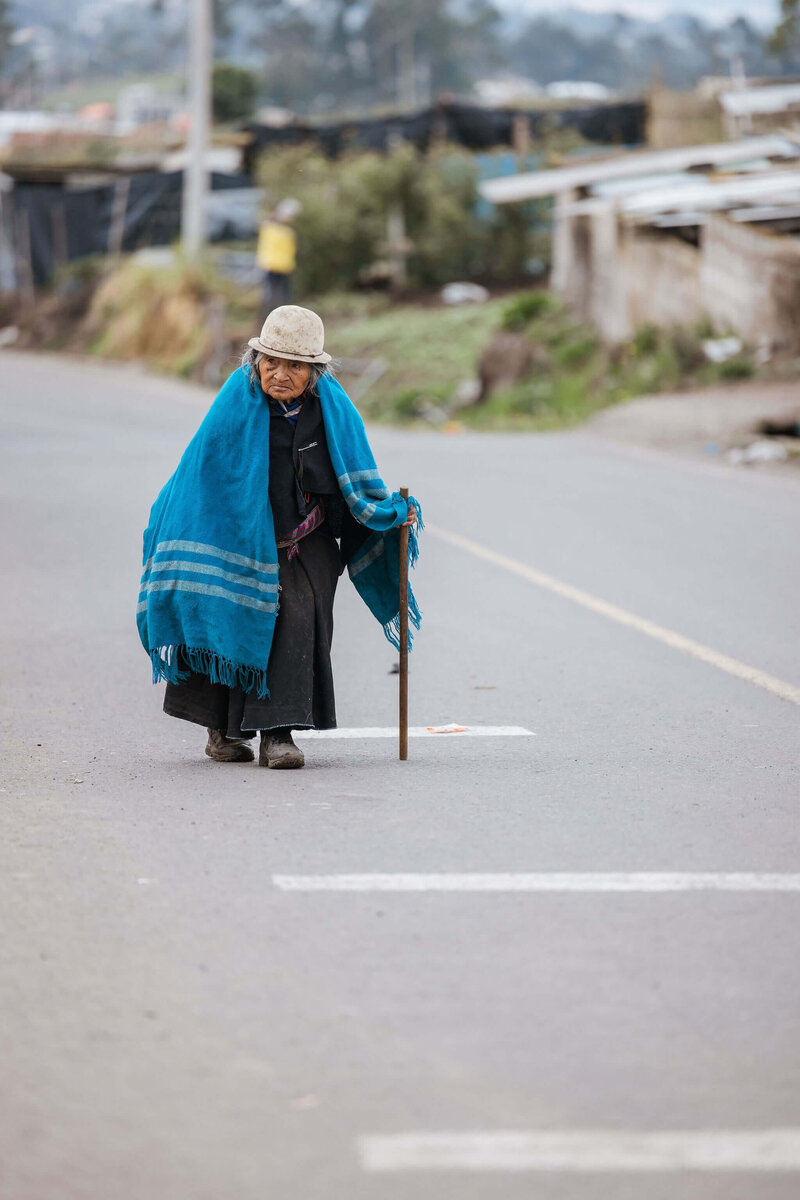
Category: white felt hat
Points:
column 292, row 332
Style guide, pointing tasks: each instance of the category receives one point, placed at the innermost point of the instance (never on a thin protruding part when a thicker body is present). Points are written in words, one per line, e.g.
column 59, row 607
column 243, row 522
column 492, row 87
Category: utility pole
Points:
column 195, row 176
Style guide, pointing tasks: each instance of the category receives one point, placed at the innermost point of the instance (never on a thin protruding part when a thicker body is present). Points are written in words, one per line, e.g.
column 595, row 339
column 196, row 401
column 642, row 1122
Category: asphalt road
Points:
column 176, row 1027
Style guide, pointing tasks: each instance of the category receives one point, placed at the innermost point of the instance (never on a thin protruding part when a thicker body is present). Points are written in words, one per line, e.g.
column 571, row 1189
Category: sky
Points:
column 764, row 12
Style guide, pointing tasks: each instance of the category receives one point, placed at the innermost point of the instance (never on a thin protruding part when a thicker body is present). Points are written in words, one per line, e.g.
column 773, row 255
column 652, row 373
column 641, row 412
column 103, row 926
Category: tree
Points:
column 289, row 39
column 6, row 30
column 436, row 42
column 233, row 92
column 787, row 34
column 221, row 18
column 339, row 55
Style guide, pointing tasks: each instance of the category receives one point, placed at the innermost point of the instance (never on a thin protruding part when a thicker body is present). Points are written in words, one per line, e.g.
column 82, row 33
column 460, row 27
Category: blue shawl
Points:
column 209, row 592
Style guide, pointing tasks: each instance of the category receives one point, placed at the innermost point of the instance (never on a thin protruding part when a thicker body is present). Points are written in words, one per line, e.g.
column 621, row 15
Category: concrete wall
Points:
column 609, row 286
column 662, row 276
column 760, row 124
column 682, row 119
column 750, row 281
column 619, row 277
column 572, row 267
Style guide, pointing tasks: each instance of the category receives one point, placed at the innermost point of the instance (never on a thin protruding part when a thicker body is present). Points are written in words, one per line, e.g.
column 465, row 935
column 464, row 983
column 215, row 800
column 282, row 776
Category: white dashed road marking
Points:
column 390, row 731
column 593, row 1150
column 640, row 881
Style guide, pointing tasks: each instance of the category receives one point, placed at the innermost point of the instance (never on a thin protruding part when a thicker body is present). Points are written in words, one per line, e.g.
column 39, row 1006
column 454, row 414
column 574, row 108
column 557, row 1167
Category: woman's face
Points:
column 283, row 378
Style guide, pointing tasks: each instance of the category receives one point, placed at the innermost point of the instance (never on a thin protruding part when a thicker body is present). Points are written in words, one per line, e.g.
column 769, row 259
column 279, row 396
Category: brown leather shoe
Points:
column 224, row 749
column 279, row 751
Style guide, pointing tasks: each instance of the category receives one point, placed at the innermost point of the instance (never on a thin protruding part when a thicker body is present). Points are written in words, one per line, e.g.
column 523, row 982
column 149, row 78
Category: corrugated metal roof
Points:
column 708, row 195
column 766, row 212
column 760, row 100
column 612, row 188
column 536, row 184
column 742, row 216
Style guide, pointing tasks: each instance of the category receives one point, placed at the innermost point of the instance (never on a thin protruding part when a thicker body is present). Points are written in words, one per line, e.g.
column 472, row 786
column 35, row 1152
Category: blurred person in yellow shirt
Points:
column 276, row 254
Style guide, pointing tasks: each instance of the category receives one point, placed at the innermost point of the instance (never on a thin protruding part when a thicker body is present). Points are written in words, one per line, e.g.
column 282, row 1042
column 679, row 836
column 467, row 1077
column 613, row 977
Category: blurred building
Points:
column 141, row 104
column 71, row 188
column 506, row 91
column 763, row 109
column 14, row 123
column 579, row 90
column 721, row 107
column 672, row 237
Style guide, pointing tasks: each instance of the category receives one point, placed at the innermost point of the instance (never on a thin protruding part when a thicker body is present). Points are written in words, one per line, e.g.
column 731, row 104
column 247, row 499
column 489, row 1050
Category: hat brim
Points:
column 257, row 344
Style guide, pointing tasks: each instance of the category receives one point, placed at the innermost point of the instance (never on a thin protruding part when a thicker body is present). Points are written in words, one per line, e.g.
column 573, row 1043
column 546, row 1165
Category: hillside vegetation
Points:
column 336, row 55
column 417, row 362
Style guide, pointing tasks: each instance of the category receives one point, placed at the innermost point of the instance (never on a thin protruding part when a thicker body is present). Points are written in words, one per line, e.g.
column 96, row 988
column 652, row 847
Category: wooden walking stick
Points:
column 403, row 714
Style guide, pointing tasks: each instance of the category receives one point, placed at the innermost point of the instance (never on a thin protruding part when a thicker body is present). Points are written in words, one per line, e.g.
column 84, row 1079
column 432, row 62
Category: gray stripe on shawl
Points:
column 197, row 568
column 238, row 560
column 369, row 557
column 354, row 477
column 208, row 589
column 362, row 509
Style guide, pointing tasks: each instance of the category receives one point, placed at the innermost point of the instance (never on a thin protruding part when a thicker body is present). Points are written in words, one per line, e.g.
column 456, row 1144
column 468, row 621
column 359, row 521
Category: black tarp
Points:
column 467, row 125
column 477, row 128
column 79, row 223
column 623, row 124
column 378, row 133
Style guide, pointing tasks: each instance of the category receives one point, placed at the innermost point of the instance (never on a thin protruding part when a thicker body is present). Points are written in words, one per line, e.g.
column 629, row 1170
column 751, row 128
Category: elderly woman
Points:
column 276, row 493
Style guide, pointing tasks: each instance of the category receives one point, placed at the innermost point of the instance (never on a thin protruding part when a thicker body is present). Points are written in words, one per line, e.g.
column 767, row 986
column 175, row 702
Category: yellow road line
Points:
column 731, row 666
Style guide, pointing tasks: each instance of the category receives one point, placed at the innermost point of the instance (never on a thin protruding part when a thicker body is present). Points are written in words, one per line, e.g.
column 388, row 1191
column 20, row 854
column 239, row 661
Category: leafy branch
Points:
column 787, row 33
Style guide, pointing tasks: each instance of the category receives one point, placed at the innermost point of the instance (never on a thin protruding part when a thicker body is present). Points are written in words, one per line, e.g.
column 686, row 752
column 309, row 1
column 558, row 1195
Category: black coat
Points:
column 300, row 466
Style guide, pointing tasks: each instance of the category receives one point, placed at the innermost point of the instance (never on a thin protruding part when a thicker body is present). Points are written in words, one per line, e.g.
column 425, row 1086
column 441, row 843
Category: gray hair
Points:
column 251, row 358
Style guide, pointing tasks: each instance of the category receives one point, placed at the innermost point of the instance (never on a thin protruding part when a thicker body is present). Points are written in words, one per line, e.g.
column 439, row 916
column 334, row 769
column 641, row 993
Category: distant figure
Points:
column 277, row 254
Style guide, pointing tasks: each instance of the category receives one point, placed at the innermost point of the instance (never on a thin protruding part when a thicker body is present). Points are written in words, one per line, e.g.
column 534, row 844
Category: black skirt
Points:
column 299, row 674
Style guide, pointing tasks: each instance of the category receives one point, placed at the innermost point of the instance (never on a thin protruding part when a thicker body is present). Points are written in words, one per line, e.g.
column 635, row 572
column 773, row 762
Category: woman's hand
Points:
column 412, row 517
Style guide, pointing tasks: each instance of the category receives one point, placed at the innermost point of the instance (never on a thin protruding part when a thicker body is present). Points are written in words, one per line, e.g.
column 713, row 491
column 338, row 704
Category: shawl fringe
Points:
column 413, row 534
column 175, row 664
column 392, row 628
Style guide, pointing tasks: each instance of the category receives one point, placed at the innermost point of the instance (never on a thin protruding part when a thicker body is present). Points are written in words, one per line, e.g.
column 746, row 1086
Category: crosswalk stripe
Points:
column 417, row 731
column 593, row 1150
column 621, row 881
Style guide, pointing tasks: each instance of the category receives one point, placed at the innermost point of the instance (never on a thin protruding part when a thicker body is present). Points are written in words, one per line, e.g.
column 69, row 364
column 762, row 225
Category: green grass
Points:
column 169, row 318
column 429, row 350
column 577, row 375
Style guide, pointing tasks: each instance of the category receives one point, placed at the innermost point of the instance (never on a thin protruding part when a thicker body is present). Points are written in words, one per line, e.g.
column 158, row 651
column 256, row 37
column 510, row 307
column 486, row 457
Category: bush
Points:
column 342, row 227
column 740, row 367
column 574, row 374
column 406, row 405
column 576, row 350
column 646, row 340
column 688, row 348
column 525, row 308
column 233, row 93
column 413, row 403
